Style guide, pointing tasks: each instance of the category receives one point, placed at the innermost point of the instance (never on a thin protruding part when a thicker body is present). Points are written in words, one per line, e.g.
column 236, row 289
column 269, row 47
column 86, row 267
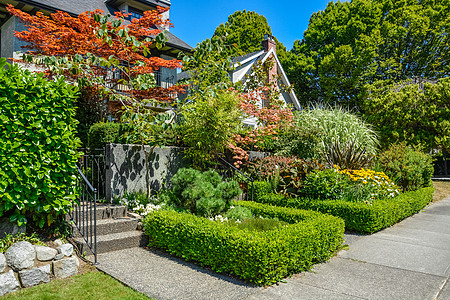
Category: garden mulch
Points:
column 410, row 260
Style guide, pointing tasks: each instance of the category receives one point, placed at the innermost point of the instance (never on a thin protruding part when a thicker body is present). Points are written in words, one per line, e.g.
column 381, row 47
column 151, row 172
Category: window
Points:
column 135, row 13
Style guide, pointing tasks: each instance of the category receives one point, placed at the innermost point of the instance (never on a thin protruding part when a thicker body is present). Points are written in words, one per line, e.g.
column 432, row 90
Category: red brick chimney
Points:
column 269, row 43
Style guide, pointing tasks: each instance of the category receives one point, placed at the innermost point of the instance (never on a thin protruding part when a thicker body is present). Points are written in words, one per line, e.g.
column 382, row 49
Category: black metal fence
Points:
column 229, row 171
column 84, row 212
column 92, row 164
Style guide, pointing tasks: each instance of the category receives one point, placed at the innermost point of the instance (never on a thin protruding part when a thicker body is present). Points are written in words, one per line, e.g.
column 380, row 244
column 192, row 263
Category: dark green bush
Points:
column 108, row 132
column 259, row 257
column 358, row 216
column 203, row 193
column 37, row 145
column 292, row 178
column 409, row 168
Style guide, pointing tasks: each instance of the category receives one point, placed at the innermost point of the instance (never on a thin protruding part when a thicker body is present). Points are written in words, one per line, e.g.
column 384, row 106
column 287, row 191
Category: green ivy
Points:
column 37, row 145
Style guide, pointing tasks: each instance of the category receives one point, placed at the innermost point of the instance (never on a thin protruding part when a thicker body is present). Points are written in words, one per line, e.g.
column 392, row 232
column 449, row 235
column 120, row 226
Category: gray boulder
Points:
column 59, row 256
column 45, row 253
column 35, row 276
column 8, row 283
column 20, row 255
column 66, row 249
column 2, row 263
column 65, row 267
column 58, row 242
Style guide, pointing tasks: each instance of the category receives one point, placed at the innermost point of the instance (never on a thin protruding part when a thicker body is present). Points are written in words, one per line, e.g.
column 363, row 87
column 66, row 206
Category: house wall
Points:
column 168, row 76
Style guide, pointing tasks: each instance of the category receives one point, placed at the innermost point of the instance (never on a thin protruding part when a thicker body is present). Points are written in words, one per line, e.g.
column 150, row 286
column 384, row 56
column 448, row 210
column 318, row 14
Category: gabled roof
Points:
column 247, row 61
column 76, row 7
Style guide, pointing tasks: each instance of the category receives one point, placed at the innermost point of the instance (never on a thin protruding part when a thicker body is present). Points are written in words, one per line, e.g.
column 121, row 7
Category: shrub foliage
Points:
column 203, row 193
column 411, row 169
column 261, row 257
column 37, row 145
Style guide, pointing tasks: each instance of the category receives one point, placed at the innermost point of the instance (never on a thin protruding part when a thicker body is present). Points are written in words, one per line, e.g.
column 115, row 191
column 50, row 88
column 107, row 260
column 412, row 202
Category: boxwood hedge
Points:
column 262, row 258
column 360, row 217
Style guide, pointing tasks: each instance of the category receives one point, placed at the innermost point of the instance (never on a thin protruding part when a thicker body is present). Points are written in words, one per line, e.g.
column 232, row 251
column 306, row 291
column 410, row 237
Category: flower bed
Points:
column 358, row 216
column 262, row 257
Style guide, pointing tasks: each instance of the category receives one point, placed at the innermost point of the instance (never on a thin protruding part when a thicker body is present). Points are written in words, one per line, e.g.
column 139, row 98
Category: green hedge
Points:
column 108, row 132
column 262, row 258
column 37, row 145
column 261, row 188
column 361, row 217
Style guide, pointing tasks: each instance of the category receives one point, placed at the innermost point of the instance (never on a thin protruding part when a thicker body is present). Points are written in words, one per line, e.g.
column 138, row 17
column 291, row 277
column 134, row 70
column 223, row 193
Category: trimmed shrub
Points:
column 358, row 216
column 262, row 257
column 411, row 169
column 239, row 213
column 37, row 145
column 108, row 132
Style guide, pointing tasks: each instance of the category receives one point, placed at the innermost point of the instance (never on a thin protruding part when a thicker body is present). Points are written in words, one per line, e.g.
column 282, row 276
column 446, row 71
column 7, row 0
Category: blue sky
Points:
column 195, row 21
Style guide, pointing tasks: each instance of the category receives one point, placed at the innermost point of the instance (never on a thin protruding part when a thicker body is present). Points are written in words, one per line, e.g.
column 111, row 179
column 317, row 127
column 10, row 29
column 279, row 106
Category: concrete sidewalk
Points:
column 410, row 260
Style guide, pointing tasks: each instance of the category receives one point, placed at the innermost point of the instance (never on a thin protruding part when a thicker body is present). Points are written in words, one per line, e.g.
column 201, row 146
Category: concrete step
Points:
column 115, row 241
column 104, row 211
column 109, row 226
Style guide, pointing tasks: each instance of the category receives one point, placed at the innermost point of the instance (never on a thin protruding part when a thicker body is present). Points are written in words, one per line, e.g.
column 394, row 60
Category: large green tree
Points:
column 354, row 43
column 243, row 33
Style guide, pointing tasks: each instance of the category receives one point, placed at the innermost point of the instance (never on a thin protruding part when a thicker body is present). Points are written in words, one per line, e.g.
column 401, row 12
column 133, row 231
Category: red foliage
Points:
column 270, row 119
column 63, row 35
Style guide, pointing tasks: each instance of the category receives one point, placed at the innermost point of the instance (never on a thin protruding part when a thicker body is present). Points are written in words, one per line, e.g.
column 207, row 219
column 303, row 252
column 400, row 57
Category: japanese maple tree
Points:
column 100, row 50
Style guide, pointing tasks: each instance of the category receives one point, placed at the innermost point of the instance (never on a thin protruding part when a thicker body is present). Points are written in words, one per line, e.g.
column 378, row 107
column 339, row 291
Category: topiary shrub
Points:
column 410, row 168
column 37, row 145
column 108, row 132
column 203, row 193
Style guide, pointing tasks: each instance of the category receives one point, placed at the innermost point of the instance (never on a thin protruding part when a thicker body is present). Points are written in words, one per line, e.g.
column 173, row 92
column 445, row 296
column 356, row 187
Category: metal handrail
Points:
column 229, row 165
column 84, row 215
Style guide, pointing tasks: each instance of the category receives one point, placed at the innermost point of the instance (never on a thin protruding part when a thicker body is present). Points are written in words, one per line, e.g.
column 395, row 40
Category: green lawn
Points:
column 92, row 285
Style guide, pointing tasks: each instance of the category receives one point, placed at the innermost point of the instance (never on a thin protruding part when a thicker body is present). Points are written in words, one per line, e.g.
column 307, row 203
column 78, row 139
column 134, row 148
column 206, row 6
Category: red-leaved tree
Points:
column 99, row 50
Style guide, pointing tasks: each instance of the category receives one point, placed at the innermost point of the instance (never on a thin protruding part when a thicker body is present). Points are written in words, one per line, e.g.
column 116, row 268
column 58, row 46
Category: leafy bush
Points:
column 411, row 169
column 260, row 257
column 332, row 125
column 350, row 185
column 110, row 132
column 268, row 167
column 37, row 145
column 292, row 178
column 238, row 213
column 411, row 112
column 359, row 216
column 10, row 239
column 324, row 184
column 203, row 193
column 209, row 124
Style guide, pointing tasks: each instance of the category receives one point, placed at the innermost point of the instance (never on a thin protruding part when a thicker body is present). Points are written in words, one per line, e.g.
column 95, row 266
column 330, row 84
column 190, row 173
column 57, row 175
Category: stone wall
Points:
column 25, row 265
column 125, row 168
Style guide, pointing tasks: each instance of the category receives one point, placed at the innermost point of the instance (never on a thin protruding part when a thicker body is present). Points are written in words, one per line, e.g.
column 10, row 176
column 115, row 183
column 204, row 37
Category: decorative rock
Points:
column 20, row 256
column 76, row 260
column 8, row 283
column 58, row 242
column 66, row 249
column 35, row 276
column 65, row 267
column 59, row 256
column 2, row 263
column 45, row 253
